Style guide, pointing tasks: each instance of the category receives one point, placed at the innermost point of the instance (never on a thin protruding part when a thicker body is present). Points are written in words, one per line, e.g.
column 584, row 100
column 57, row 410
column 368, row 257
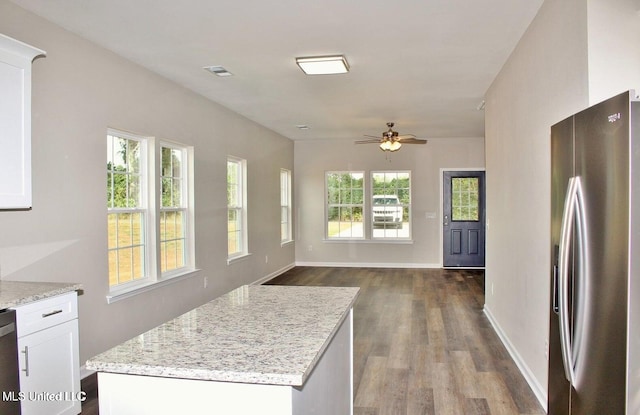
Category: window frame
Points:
column 185, row 208
column 142, row 208
column 150, row 201
column 286, row 225
column 406, row 207
column 329, row 206
column 240, row 210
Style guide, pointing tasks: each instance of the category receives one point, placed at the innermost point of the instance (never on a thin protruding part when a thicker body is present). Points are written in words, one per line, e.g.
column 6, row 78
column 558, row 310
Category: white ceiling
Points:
column 424, row 64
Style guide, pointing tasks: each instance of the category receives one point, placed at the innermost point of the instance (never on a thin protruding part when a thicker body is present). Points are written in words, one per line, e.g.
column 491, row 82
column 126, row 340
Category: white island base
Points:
column 328, row 390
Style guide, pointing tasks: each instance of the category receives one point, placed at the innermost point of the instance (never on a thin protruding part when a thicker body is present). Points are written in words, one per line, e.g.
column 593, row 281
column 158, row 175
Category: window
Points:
column 136, row 217
column 285, row 206
column 236, row 208
column 391, row 204
column 345, row 205
column 173, row 208
column 127, row 209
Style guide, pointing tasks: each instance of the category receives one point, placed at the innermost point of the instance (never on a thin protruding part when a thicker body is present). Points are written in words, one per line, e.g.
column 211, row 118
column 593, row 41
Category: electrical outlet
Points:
column 266, row 259
column 310, row 248
column 546, row 349
column 206, row 282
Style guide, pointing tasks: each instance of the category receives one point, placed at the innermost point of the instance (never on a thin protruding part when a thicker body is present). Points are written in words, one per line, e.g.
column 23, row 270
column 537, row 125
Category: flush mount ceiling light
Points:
column 217, row 70
column 323, row 65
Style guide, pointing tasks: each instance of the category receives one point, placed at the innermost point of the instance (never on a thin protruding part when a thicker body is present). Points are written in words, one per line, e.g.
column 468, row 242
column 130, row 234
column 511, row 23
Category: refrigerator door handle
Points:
column 554, row 287
column 574, row 212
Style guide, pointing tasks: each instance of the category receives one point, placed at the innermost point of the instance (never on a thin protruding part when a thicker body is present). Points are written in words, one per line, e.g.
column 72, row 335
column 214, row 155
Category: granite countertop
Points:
column 255, row 334
column 14, row 293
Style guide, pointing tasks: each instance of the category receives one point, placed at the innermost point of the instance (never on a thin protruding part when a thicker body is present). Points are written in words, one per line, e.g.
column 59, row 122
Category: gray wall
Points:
column 79, row 90
column 313, row 158
column 560, row 66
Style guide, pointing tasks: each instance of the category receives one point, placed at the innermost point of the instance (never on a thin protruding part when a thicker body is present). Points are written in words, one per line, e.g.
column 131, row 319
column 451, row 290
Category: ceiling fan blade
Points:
column 391, row 137
column 413, row 141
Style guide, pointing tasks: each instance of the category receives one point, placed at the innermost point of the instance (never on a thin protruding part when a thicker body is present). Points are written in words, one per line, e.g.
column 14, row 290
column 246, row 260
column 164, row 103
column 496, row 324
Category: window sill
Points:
column 369, row 241
column 237, row 258
column 128, row 292
column 285, row 243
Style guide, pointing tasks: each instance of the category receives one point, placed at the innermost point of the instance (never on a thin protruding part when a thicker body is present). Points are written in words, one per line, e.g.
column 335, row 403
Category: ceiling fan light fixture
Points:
column 389, row 145
column 391, row 140
column 323, row 65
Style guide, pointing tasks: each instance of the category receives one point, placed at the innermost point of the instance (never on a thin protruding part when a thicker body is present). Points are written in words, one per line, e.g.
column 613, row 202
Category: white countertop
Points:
column 14, row 293
column 264, row 334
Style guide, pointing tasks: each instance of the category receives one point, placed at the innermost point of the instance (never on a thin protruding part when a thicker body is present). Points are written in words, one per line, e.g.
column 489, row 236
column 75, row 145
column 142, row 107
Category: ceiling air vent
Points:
column 218, row 70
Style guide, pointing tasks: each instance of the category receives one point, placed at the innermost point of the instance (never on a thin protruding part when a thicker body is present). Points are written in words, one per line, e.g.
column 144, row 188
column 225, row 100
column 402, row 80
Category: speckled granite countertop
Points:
column 14, row 293
column 263, row 334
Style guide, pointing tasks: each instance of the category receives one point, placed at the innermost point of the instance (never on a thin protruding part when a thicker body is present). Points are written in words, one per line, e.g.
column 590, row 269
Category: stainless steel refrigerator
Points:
column 594, row 331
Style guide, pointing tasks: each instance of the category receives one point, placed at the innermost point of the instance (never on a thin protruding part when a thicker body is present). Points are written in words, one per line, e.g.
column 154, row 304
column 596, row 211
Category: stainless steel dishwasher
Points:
column 9, row 372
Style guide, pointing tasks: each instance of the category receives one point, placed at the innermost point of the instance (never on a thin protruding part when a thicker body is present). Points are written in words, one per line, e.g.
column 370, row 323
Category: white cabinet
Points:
column 49, row 356
column 15, row 122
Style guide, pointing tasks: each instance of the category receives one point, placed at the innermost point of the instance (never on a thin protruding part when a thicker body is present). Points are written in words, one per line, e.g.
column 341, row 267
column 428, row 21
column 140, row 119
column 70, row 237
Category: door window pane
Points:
column 465, row 199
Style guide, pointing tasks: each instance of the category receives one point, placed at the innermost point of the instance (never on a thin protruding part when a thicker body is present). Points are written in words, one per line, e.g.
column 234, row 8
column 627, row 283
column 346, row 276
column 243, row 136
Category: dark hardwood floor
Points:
column 421, row 344
column 90, row 387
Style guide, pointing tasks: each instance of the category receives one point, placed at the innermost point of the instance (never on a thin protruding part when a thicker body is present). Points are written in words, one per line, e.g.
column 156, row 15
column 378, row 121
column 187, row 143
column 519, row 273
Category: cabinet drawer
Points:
column 46, row 313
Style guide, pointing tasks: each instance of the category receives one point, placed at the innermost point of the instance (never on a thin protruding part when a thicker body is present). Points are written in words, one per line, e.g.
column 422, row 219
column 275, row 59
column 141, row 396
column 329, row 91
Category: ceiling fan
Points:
column 391, row 140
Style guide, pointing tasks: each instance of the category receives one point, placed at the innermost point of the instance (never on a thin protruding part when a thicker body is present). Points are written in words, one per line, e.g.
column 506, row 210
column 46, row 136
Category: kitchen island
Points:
column 256, row 350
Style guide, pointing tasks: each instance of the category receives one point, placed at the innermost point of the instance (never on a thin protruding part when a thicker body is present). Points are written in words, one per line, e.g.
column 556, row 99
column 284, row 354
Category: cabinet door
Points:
column 15, row 122
column 49, row 371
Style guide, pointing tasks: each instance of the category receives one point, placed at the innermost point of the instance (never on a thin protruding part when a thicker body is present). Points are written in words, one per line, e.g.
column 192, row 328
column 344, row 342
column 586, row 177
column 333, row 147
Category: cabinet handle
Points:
column 26, row 361
column 53, row 313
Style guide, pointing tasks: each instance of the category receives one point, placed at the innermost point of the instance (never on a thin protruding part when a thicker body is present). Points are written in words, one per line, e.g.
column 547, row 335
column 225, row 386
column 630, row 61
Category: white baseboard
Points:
column 273, row 275
column 366, row 264
column 538, row 390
